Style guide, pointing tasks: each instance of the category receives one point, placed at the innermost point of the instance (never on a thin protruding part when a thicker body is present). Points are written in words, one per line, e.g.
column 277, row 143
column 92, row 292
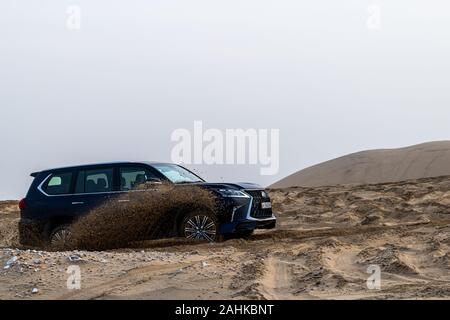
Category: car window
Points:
column 131, row 177
column 59, row 183
column 177, row 174
column 94, row 181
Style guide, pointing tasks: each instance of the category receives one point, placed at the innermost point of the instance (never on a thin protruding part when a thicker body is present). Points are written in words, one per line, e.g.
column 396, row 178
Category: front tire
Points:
column 202, row 226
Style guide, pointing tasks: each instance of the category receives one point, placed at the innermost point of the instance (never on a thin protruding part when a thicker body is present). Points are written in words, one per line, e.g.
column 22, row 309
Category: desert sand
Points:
column 431, row 159
column 326, row 239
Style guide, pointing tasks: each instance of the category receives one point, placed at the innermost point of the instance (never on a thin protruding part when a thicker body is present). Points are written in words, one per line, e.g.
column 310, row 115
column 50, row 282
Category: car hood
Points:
column 236, row 185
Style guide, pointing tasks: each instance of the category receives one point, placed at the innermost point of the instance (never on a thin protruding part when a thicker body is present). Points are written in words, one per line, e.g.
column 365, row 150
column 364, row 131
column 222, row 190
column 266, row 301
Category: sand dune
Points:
column 374, row 166
column 326, row 239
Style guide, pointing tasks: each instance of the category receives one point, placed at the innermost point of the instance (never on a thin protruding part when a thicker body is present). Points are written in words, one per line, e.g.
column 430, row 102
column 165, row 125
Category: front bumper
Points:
column 246, row 225
column 247, row 214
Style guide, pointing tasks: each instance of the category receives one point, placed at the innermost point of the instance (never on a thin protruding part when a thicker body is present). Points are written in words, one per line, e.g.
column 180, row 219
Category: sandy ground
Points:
column 326, row 239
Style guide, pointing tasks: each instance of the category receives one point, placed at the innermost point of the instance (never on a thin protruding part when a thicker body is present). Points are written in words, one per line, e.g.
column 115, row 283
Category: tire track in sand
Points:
column 277, row 280
column 129, row 279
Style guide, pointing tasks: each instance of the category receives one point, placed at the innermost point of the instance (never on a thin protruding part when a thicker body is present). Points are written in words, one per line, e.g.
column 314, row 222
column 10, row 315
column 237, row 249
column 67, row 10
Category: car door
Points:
column 57, row 189
column 131, row 180
column 94, row 186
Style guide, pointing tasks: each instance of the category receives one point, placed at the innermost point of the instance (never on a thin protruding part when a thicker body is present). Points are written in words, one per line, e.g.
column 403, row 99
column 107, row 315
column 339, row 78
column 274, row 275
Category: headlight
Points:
column 232, row 193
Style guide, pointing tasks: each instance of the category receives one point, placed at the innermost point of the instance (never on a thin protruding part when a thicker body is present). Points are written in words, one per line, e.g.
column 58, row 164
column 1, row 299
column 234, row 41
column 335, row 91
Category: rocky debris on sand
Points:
column 10, row 262
column 75, row 258
column 176, row 273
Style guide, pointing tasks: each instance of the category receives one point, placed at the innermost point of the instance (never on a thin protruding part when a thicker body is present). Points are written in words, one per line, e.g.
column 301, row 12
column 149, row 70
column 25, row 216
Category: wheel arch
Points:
column 56, row 222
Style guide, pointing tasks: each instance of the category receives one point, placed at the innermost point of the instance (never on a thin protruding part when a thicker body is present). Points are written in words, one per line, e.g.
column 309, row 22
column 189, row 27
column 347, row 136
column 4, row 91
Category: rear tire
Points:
column 201, row 226
column 61, row 237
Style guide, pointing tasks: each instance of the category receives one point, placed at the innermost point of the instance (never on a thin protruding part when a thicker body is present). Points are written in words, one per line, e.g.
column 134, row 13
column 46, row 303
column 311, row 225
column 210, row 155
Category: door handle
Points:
column 77, row 202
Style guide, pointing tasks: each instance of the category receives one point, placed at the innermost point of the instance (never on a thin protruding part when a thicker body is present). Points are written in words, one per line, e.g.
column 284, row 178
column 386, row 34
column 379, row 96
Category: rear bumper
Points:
column 31, row 232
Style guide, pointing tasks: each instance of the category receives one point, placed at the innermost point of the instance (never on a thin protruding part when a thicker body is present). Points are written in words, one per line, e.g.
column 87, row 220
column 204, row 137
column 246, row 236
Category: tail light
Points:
column 22, row 204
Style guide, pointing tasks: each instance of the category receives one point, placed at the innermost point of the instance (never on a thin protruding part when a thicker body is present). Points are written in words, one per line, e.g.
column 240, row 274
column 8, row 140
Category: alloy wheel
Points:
column 200, row 227
column 61, row 238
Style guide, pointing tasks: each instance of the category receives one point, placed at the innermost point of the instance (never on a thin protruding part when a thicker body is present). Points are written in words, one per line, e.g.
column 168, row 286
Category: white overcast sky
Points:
column 137, row 70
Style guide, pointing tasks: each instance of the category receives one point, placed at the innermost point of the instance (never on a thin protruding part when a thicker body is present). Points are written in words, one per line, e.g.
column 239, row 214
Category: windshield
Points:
column 177, row 174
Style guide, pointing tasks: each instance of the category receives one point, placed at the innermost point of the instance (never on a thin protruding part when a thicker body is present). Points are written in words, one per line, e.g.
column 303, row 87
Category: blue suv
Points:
column 57, row 197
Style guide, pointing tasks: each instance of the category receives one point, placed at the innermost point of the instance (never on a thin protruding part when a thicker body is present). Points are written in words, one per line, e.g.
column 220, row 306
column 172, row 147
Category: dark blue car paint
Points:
column 43, row 212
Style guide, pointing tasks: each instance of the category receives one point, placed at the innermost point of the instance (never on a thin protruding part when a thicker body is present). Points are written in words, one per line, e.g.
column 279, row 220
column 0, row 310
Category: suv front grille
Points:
column 256, row 210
